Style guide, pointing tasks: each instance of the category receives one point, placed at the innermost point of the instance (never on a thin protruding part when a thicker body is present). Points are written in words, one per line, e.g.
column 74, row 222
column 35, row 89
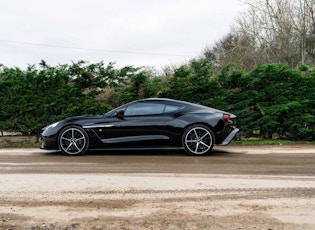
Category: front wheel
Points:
column 73, row 140
column 198, row 140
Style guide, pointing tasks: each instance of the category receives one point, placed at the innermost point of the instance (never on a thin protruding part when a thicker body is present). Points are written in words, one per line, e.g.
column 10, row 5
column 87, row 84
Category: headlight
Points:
column 50, row 126
column 53, row 125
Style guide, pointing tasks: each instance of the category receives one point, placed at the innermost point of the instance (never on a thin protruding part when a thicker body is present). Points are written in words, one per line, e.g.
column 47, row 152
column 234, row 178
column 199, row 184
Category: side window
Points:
column 144, row 109
column 171, row 108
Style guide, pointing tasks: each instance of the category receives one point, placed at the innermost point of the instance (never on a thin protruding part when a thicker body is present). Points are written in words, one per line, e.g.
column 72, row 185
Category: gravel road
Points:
column 237, row 187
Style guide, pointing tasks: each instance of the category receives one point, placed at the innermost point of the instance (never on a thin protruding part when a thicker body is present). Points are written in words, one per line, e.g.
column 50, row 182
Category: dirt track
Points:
column 265, row 187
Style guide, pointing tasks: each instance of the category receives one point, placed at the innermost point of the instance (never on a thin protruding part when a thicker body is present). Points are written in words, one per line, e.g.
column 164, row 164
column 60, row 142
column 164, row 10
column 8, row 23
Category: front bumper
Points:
column 44, row 147
column 49, row 143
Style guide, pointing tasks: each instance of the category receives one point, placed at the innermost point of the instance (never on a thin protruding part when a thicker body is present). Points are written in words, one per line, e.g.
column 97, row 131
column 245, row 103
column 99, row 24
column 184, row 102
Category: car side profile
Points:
column 154, row 123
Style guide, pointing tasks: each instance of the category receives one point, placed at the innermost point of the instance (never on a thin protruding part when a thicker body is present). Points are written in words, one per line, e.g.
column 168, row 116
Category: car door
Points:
column 138, row 122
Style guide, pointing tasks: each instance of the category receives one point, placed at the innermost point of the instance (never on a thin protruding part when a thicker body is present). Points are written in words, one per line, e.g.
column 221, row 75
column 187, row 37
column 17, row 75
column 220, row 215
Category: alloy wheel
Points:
column 198, row 140
column 73, row 141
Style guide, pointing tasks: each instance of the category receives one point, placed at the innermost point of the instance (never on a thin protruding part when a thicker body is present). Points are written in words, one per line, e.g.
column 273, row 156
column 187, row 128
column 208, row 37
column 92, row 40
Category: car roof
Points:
column 171, row 101
column 158, row 100
column 184, row 103
column 189, row 105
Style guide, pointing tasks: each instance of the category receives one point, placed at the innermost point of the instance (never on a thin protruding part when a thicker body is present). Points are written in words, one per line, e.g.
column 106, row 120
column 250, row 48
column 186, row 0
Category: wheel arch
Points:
column 200, row 123
column 68, row 125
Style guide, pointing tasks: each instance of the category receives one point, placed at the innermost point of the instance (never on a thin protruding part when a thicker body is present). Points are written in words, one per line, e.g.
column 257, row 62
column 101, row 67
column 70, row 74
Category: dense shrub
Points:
column 270, row 99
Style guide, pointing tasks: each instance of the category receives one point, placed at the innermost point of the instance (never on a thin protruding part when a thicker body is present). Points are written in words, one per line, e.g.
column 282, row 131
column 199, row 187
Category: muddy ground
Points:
column 237, row 187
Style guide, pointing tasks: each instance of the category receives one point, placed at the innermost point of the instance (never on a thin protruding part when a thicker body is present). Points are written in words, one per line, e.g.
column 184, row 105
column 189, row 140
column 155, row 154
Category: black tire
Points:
column 73, row 140
column 198, row 139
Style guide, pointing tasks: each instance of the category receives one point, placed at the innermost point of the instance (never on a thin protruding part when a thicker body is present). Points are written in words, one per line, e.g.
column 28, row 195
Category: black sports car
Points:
column 144, row 124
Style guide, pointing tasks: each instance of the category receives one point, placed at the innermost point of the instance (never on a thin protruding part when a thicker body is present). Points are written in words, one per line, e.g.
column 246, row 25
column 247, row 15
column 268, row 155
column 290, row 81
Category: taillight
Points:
column 227, row 118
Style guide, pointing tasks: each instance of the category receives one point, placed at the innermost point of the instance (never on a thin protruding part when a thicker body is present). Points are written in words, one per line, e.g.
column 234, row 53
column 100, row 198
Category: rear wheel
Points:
column 73, row 140
column 198, row 140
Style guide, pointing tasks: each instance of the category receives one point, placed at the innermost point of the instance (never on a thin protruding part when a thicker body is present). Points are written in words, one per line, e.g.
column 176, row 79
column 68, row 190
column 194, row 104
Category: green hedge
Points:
column 270, row 99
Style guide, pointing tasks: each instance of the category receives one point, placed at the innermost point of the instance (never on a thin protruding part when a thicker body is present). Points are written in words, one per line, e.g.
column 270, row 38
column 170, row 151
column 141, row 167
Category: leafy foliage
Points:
column 275, row 99
column 34, row 98
column 270, row 99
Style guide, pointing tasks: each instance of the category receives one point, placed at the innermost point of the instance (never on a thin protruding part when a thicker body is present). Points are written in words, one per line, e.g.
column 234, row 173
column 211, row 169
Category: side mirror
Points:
column 120, row 114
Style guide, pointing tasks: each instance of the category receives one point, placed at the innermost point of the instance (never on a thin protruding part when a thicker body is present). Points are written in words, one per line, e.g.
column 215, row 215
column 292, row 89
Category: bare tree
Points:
column 269, row 31
column 232, row 49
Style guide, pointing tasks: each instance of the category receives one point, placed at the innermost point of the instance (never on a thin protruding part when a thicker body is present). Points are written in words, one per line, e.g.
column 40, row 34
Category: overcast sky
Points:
column 155, row 33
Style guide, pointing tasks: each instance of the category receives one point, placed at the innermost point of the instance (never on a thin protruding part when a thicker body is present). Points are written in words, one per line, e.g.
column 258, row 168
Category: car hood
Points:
column 83, row 117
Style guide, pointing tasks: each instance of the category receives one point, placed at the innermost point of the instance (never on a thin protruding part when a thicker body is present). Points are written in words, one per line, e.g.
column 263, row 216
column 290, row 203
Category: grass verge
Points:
column 270, row 142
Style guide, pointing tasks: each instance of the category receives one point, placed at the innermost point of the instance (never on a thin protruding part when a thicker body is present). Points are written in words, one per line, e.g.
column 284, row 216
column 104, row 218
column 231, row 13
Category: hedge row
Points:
column 270, row 99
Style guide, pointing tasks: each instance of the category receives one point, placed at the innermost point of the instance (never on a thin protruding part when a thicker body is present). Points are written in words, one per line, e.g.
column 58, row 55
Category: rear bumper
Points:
column 230, row 137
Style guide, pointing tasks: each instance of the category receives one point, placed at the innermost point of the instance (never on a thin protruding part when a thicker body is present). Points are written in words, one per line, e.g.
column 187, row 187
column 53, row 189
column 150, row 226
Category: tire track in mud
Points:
column 129, row 197
column 215, row 194
column 150, row 208
column 293, row 191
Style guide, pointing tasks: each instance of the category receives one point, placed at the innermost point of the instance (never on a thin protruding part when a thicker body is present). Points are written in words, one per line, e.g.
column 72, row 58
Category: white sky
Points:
column 154, row 33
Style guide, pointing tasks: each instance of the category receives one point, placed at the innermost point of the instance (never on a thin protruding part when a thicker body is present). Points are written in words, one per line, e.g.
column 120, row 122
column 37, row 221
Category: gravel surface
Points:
column 45, row 190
